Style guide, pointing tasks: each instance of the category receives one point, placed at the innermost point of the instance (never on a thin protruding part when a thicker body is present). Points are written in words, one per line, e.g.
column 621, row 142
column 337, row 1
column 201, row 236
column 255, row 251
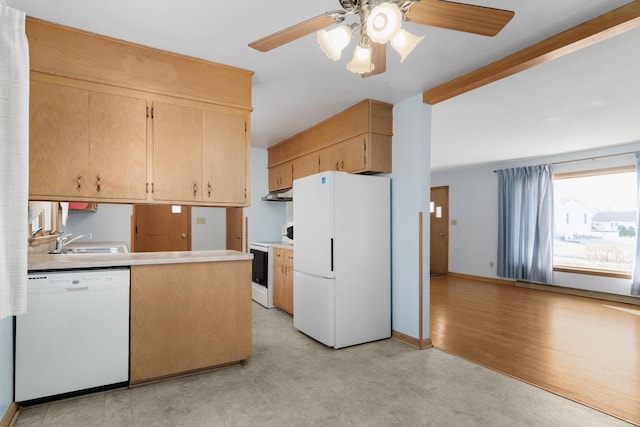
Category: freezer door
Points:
column 314, row 307
column 313, row 217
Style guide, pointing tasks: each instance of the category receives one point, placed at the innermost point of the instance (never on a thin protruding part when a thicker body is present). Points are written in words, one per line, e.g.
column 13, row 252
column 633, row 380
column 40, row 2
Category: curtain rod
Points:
column 589, row 158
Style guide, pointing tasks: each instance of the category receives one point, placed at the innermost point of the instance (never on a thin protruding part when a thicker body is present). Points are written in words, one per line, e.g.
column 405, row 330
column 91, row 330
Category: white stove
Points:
column 262, row 273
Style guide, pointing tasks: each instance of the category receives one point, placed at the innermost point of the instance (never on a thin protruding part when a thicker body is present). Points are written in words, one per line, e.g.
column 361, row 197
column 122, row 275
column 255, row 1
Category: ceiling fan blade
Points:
column 378, row 59
column 295, row 32
column 469, row 18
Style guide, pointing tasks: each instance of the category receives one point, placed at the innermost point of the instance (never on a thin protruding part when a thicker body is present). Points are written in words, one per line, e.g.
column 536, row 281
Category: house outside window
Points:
column 595, row 222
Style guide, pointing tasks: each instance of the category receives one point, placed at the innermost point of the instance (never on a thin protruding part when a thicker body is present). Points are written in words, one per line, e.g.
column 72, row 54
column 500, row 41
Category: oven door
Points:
column 260, row 267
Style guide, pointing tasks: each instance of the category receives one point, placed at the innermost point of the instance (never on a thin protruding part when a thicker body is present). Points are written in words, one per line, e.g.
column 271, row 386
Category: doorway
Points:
column 159, row 228
column 235, row 230
column 439, row 209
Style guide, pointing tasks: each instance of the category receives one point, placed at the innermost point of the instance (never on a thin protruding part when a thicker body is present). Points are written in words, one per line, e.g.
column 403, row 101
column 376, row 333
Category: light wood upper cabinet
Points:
column 106, row 128
column 357, row 140
column 349, row 156
column 283, row 279
column 199, row 155
column 281, row 177
column 177, row 152
column 306, row 165
column 58, row 141
column 86, row 144
column 118, row 146
column 224, row 156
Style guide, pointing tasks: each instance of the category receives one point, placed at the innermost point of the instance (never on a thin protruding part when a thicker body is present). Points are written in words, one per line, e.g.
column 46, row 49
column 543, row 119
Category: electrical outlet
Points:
column 490, row 263
column 201, row 220
column 454, row 222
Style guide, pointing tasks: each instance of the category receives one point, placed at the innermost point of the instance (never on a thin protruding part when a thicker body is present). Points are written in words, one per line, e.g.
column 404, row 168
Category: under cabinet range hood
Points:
column 281, row 196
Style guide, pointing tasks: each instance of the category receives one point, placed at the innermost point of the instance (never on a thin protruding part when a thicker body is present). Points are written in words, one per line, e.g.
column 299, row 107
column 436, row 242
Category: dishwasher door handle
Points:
column 83, row 288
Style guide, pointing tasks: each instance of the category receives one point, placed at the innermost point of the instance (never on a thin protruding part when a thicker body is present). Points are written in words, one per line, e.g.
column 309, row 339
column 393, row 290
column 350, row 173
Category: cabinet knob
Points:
column 183, row 235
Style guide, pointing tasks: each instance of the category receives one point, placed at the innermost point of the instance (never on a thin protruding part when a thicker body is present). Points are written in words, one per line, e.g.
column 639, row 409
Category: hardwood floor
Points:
column 585, row 349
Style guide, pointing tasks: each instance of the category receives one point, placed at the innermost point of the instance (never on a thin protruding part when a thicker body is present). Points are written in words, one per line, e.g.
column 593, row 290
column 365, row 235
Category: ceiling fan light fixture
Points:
column 361, row 61
column 332, row 42
column 404, row 42
column 383, row 22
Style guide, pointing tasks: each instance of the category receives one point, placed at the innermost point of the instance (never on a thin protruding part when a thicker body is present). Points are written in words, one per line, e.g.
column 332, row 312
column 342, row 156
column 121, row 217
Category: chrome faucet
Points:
column 61, row 241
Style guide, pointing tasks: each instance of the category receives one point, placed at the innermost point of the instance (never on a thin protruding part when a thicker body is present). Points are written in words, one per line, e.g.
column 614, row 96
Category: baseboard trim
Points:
column 10, row 416
column 483, row 279
column 579, row 292
column 413, row 342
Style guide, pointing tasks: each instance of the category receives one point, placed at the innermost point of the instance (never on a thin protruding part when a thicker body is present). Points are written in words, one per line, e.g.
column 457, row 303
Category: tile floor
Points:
column 294, row 381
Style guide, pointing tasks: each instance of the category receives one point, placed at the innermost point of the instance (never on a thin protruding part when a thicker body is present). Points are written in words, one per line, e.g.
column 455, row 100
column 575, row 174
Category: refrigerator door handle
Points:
column 331, row 254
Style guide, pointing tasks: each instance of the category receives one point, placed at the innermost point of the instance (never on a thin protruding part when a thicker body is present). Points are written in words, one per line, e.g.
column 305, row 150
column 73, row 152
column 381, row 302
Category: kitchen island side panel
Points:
column 187, row 317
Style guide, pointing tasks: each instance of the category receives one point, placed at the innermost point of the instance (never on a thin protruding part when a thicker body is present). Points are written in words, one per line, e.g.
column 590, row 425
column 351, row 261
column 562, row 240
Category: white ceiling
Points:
column 585, row 100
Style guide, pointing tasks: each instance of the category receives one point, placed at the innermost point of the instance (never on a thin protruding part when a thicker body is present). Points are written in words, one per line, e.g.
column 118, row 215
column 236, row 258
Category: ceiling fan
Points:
column 379, row 22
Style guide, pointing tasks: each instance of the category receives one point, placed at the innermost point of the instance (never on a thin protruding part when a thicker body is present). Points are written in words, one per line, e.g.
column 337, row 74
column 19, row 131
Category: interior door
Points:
column 160, row 228
column 234, row 229
column 439, row 230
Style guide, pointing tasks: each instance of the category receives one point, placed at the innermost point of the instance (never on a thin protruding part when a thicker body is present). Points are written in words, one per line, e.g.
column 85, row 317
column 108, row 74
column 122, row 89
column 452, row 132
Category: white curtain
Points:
column 14, row 161
column 635, row 282
column 525, row 223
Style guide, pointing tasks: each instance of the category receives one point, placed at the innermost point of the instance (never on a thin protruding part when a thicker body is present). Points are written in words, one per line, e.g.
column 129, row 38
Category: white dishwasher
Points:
column 75, row 334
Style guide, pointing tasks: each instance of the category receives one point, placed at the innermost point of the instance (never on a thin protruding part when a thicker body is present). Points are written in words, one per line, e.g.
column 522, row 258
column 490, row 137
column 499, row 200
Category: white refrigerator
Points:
column 342, row 258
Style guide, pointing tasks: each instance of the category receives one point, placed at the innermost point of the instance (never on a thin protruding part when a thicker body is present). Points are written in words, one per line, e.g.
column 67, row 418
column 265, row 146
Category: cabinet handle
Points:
column 208, row 189
column 337, row 166
column 79, row 184
column 98, row 184
column 195, row 189
column 342, row 165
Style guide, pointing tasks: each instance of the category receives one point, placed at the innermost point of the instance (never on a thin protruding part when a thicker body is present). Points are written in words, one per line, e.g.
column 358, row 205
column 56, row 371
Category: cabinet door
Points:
column 353, row 154
column 224, row 156
column 306, row 165
column 177, row 152
column 118, row 146
column 281, row 177
column 58, row 141
column 330, row 158
column 278, row 277
column 287, row 285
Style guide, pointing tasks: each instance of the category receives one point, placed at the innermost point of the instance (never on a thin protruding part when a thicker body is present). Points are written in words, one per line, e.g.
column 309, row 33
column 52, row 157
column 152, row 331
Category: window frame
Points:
column 560, row 268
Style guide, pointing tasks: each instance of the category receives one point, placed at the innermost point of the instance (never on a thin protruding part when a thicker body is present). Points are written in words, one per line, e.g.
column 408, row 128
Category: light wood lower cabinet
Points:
column 187, row 317
column 283, row 279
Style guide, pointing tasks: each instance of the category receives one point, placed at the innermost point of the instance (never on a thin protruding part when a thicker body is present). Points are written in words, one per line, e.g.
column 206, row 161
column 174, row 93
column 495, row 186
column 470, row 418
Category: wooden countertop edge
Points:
column 38, row 262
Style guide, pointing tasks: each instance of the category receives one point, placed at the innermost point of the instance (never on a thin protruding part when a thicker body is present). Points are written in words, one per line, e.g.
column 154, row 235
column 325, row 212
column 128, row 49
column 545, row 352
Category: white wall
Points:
column 213, row 233
column 473, row 203
column 265, row 218
column 6, row 364
column 111, row 222
column 409, row 196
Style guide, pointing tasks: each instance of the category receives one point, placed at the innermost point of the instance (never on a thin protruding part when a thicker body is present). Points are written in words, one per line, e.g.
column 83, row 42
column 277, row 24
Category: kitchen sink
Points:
column 97, row 250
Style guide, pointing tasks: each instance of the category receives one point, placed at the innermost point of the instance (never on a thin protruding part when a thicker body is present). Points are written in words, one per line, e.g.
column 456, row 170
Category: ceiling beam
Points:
column 610, row 24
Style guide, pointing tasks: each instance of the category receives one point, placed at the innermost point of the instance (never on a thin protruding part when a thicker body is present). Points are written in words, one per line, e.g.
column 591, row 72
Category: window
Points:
column 595, row 223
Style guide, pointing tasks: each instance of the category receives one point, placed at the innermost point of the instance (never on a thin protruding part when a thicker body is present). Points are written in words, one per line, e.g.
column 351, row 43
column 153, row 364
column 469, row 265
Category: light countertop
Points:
column 75, row 261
